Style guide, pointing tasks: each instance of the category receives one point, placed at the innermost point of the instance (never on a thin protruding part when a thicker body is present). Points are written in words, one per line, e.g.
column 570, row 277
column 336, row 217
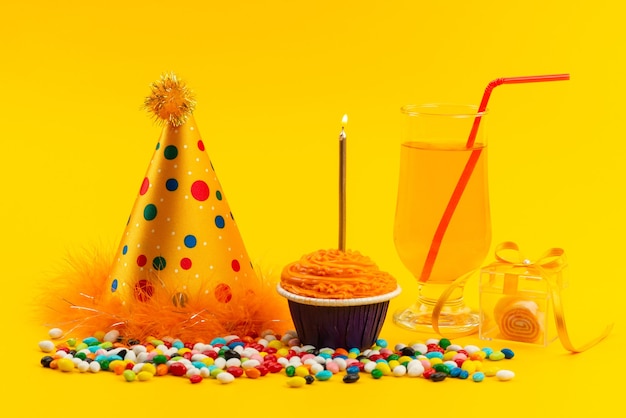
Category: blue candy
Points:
column 478, row 376
column 353, row 370
column 91, row 341
column 455, row 372
column 218, row 340
column 433, row 354
column 508, row 353
column 323, row 375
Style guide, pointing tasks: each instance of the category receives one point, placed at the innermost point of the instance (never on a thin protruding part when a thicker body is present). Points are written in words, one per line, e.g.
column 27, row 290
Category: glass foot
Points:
column 453, row 320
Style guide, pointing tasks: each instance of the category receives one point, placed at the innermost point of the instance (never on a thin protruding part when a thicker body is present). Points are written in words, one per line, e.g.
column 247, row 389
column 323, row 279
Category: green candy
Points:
column 496, row 356
column 444, row 343
column 377, row 373
column 442, row 368
column 159, row 359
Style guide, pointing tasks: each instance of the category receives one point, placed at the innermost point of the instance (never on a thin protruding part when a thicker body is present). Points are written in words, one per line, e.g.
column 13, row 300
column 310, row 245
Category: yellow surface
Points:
column 273, row 80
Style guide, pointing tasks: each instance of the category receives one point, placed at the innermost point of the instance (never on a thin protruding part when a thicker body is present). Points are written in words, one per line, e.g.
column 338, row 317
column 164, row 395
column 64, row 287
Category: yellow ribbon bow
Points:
column 550, row 263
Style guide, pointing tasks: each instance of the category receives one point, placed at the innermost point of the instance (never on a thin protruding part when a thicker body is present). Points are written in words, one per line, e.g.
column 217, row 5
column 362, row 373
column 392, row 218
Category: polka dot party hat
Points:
column 181, row 267
column 181, row 231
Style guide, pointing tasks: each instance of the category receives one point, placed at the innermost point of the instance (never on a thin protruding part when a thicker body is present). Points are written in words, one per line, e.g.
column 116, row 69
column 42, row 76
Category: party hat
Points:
column 181, row 268
column 181, row 231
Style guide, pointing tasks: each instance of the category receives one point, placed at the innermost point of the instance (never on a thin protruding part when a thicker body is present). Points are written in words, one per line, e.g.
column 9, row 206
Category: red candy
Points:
column 275, row 367
column 262, row 369
column 211, row 353
column 178, row 369
column 434, row 347
column 196, row 378
column 235, row 371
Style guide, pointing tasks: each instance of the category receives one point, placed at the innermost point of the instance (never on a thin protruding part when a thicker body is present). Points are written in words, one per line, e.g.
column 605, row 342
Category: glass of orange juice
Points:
column 433, row 155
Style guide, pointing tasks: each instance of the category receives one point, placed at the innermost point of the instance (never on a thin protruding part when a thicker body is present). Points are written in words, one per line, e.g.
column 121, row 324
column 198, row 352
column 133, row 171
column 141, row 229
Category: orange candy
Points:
column 161, row 369
column 252, row 373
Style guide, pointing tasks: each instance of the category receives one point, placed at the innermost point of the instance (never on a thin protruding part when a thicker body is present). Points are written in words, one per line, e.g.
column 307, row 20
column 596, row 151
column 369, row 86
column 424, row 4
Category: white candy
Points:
column 229, row 338
column 283, row 361
column 250, row 364
column 415, row 368
column 163, row 348
column 432, row 341
column 505, row 375
column 296, row 348
column 142, row 357
column 414, row 372
column 94, row 367
column 249, row 352
column 471, row 349
column 139, row 349
column 46, row 346
column 316, row 368
column 200, row 347
column 220, row 362
column 295, row 361
column 420, row 347
column 399, row 370
column 55, row 333
column 225, row 377
column 399, row 347
column 235, row 362
column 130, row 356
column 267, row 332
column 369, row 366
column 343, row 365
column 198, row 357
column 83, row 366
column 205, row 372
column 193, row 371
column 454, row 347
column 114, row 351
column 292, row 332
column 111, row 336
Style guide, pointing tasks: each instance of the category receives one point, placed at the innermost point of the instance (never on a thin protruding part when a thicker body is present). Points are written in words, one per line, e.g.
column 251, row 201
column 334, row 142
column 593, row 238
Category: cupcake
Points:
column 337, row 298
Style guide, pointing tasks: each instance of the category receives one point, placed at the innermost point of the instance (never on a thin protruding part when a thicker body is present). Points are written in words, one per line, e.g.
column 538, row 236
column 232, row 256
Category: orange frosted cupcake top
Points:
column 335, row 274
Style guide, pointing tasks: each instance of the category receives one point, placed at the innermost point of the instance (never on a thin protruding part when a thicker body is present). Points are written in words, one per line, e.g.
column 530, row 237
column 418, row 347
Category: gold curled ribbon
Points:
column 549, row 264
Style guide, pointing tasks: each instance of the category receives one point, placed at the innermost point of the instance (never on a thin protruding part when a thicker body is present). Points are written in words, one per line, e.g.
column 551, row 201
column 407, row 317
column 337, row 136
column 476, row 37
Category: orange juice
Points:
column 429, row 173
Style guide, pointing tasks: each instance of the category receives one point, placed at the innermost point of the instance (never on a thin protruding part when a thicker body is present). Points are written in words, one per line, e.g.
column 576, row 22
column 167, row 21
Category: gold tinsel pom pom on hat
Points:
column 170, row 100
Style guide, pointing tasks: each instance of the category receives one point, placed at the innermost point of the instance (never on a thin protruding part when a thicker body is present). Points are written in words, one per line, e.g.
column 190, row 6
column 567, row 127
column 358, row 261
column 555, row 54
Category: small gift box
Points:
column 516, row 295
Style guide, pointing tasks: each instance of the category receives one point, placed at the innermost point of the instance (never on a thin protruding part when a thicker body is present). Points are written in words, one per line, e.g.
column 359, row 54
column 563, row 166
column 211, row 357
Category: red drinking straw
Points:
column 471, row 163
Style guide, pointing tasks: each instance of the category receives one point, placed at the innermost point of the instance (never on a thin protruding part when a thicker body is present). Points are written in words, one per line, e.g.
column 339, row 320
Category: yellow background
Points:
column 273, row 79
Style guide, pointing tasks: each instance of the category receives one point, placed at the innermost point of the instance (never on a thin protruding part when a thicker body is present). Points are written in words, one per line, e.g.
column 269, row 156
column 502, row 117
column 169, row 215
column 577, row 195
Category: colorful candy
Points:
column 228, row 358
